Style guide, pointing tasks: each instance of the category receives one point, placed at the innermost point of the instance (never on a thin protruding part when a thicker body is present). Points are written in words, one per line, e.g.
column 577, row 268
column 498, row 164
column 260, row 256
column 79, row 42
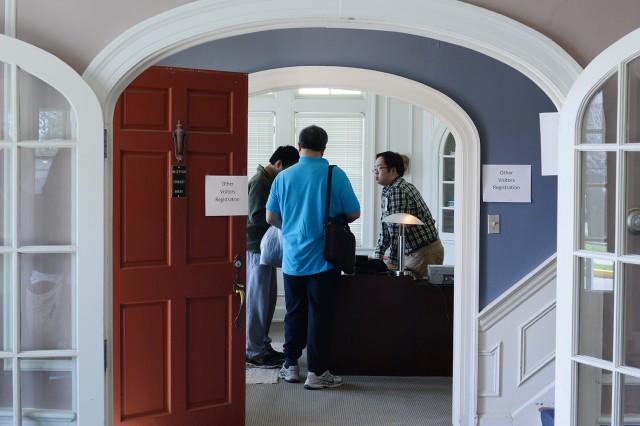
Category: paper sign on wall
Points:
column 226, row 196
column 506, row 184
column 549, row 122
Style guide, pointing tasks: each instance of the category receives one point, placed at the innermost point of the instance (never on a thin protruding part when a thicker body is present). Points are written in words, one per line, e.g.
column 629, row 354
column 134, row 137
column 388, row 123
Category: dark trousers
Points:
column 310, row 302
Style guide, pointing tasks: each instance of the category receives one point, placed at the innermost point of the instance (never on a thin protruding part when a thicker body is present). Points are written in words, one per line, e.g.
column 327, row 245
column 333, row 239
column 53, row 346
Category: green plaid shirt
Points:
column 402, row 197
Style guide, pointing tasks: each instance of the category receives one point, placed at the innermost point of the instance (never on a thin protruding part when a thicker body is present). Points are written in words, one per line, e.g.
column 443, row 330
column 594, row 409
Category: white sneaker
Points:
column 291, row 374
column 325, row 380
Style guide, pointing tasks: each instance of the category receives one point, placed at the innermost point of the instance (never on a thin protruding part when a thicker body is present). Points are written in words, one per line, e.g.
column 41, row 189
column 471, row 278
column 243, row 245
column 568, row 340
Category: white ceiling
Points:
column 583, row 28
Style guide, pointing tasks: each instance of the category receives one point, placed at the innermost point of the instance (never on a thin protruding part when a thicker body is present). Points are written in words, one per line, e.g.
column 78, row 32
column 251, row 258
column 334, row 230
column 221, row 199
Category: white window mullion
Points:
column 10, row 17
column 11, row 91
column 617, row 409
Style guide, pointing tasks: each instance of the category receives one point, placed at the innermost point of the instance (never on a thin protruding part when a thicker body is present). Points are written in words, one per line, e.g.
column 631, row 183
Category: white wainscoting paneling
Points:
column 489, row 372
column 516, row 351
column 537, row 342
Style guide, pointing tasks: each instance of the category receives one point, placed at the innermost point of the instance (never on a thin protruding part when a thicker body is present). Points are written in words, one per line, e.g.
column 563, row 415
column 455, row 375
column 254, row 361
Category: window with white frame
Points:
column 327, row 93
column 277, row 120
column 261, row 139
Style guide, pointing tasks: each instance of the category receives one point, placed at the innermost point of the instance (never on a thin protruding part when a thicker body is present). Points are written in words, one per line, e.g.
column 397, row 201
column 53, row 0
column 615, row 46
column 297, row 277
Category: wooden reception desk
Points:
column 392, row 326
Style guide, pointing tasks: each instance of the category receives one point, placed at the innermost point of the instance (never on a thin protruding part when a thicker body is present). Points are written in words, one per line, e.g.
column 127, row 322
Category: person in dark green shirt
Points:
column 261, row 279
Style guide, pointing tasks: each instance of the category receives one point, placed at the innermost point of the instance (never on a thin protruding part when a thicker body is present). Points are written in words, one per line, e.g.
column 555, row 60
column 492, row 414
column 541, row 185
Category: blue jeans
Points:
column 311, row 305
column 262, row 294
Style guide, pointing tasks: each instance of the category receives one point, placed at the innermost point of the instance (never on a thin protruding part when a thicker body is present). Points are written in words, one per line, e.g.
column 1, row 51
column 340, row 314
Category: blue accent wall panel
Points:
column 503, row 103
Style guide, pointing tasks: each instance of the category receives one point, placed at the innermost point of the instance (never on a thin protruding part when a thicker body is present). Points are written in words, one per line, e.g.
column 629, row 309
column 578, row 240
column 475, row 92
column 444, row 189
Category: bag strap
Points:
column 326, row 204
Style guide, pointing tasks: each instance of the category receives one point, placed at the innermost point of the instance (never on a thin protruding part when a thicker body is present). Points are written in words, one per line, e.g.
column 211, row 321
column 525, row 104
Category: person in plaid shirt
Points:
column 422, row 243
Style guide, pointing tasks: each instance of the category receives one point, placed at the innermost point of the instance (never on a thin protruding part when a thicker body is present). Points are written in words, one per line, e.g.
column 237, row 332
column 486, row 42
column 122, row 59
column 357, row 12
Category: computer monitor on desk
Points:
column 440, row 274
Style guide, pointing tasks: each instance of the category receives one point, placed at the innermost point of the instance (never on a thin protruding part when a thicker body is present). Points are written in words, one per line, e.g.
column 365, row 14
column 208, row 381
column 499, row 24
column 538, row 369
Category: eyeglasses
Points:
column 377, row 169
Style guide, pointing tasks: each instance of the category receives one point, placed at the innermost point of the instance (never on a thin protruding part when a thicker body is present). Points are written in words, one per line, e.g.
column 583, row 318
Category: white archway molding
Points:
column 508, row 41
column 467, row 191
column 503, row 39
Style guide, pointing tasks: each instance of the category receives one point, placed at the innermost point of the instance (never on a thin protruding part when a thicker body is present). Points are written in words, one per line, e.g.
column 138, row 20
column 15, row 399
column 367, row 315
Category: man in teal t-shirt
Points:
column 296, row 205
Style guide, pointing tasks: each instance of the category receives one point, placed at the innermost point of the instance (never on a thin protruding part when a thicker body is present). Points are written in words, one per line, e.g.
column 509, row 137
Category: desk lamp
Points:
column 402, row 219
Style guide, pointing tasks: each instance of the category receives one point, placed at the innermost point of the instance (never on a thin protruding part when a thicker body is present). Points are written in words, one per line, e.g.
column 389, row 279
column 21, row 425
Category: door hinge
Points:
column 105, row 144
column 105, row 354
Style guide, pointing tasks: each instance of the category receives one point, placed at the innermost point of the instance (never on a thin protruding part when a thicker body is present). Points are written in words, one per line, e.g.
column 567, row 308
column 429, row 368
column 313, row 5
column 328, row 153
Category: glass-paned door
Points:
column 41, row 230
column 603, row 367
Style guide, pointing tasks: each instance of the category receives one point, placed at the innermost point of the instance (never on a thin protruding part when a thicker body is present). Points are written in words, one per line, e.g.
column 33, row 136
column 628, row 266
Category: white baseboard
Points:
column 495, row 420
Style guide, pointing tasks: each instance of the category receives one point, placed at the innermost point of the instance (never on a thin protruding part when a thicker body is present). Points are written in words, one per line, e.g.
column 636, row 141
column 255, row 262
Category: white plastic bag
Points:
column 271, row 247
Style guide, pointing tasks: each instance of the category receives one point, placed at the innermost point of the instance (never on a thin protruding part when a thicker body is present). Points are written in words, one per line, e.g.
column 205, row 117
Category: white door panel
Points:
column 598, row 328
column 51, row 241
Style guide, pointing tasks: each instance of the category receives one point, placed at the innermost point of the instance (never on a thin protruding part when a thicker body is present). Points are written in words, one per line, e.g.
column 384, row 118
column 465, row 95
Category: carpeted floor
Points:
column 362, row 400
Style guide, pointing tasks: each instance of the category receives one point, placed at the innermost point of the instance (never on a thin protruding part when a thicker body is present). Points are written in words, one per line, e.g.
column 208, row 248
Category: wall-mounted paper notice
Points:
column 506, row 184
column 549, row 143
column 226, row 196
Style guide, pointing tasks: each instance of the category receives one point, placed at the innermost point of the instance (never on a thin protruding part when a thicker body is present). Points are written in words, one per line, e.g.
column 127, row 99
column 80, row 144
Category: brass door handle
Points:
column 238, row 289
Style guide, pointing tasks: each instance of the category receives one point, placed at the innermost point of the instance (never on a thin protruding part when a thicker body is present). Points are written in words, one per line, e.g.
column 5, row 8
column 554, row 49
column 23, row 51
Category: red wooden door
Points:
column 178, row 358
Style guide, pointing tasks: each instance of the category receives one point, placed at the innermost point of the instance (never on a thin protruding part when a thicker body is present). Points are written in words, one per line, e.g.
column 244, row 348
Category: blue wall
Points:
column 503, row 104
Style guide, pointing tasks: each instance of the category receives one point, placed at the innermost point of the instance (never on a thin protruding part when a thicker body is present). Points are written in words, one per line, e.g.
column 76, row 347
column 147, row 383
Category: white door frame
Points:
column 467, row 174
column 568, row 191
column 522, row 48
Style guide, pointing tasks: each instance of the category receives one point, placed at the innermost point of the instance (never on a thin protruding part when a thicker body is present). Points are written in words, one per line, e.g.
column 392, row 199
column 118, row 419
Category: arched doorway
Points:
column 547, row 65
column 468, row 170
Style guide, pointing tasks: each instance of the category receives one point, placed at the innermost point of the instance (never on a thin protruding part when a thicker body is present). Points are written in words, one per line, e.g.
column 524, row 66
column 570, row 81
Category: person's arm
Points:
column 395, row 204
column 351, row 217
column 383, row 243
column 348, row 199
column 258, row 194
column 274, row 219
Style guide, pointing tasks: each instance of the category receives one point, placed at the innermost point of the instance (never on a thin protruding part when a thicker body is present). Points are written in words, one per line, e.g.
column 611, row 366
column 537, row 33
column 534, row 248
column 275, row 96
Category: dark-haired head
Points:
column 393, row 160
column 288, row 154
column 313, row 138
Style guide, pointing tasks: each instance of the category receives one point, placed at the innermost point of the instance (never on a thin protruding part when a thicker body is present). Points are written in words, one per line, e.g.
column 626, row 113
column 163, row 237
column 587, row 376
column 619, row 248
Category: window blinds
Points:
column 345, row 148
column 261, row 140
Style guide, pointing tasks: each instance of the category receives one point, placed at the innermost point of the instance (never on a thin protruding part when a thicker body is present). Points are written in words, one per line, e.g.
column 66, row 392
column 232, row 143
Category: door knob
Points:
column 633, row 220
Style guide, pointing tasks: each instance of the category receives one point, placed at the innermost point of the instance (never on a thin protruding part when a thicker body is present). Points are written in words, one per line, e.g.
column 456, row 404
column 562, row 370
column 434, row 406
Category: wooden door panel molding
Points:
column 206, row 240
column 206, row 325
column 144, row 227
column 210, row 111
column 145, row 109
column 145, row 357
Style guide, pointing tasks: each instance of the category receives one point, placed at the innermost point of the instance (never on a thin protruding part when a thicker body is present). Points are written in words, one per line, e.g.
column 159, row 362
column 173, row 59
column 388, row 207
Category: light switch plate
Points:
column 494, row 224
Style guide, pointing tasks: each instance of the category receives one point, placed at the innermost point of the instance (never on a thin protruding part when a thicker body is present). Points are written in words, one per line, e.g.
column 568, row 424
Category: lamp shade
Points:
column 403, row 218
